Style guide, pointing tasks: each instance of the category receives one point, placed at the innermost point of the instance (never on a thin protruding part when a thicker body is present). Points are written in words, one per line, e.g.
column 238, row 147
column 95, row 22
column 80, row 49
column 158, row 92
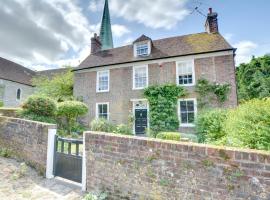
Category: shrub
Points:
column 1, row 104
column 39, row 106
column 190, row 136
column 169, row 136
column 249, row 125
column 123, row 130
column 102, row 125
column 209, row 125
column 70, row 111
column 38, row 118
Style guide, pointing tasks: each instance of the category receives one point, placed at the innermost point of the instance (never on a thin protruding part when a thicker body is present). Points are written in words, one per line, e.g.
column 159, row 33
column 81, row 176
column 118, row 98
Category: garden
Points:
column 247, row 126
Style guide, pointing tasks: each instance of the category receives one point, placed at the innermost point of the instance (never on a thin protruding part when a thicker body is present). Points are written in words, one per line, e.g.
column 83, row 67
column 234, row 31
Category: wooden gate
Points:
column 68, row 158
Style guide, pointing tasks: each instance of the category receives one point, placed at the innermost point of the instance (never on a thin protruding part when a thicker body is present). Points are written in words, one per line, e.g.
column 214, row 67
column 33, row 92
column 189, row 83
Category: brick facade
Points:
column 26, row 139
column 141, row 168
column 218, row 69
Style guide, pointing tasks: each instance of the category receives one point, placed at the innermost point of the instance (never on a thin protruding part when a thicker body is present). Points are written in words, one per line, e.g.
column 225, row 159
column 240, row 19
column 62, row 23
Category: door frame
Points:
column 134, row 101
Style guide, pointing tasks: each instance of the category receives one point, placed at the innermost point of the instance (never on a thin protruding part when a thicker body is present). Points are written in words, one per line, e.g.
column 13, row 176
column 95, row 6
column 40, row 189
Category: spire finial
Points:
column 106, row 38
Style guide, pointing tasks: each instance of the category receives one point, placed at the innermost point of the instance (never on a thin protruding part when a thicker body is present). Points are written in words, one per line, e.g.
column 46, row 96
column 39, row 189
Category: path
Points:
column 20, row 182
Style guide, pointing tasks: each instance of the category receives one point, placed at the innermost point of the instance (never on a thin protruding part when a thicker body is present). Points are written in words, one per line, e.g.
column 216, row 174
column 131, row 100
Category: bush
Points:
column 102, row 125
column 249, row 125
column 39, row 106
column 34, row 117
column 123, row 130
column 209, row 125
column 169, row 136
column 191, row 137
column 70, row 111
column 1, row 104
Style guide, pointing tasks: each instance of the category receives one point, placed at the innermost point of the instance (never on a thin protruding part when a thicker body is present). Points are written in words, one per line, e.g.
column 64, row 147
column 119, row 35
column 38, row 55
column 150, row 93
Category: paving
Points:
column 20, row 182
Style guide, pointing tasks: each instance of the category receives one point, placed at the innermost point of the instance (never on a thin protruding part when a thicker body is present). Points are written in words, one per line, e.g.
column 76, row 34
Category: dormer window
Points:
column 142, row 49
column 142, row 46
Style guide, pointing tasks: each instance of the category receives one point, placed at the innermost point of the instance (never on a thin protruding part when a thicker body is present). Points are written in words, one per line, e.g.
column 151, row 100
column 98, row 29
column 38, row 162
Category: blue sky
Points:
column 51, row 33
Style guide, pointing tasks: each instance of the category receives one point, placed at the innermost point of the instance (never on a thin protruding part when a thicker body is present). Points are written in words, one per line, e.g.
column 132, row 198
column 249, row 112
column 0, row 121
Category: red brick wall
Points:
column 141, row 168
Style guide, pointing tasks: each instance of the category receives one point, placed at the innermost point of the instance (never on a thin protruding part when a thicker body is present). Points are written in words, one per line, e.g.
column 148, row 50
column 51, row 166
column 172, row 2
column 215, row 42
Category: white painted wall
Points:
column 50, row 153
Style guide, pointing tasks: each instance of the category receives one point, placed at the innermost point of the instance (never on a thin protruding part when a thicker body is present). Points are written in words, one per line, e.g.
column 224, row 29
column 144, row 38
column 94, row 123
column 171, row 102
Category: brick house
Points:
column 111, row 81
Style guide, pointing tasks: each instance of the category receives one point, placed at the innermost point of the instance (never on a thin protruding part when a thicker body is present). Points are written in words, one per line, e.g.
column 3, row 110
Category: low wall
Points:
column 26, row 139
column 142, row 168
column 9, row 112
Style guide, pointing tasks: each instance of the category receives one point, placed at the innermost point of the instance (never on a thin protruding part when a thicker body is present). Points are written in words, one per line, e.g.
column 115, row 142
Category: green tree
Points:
column 59, row 87
column 253, row 78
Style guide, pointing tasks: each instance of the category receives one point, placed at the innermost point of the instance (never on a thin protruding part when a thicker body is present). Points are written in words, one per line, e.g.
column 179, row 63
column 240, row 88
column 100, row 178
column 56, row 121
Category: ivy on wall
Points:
column 163, row 106
column 208, row 92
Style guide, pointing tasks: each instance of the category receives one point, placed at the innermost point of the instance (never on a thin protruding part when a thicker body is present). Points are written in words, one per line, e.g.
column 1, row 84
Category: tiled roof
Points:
column 14, row 72
column 163, row 48
column 142, row 38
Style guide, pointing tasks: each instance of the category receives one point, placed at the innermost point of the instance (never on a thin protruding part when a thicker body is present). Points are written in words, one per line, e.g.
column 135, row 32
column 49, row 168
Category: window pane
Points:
column 140, row 77
column 184, row 118
column 190, row 105
column 187, row 111
column 142, row 49
column 183, row 106
column 191, row 118
column 103, row 111
column 103, row 81
column 185, row 73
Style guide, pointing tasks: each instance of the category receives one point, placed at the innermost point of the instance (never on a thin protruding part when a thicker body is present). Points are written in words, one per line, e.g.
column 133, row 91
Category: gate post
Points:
column 50, row 153
column 84, row 165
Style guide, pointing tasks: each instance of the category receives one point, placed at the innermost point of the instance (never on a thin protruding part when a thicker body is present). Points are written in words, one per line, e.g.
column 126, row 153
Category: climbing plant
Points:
column 211, row 91
column 163, row 106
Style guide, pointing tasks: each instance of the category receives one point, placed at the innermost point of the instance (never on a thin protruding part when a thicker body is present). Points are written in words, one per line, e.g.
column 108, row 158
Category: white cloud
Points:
column 117, row 29
column 36, row 32
column 154, row 14
column 228, row 36
column 245, row 50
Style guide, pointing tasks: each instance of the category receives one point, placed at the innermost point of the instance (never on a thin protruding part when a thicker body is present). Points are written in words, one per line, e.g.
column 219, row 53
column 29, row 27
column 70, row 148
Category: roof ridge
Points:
column 23, row 67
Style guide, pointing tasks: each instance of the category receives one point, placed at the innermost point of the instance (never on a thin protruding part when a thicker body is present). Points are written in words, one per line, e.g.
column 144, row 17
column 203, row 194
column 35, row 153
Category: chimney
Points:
column 211, row 24
column 95, row 44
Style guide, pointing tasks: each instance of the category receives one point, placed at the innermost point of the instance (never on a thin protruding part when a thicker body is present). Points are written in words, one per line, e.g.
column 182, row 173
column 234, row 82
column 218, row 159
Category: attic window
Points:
column 142, row 49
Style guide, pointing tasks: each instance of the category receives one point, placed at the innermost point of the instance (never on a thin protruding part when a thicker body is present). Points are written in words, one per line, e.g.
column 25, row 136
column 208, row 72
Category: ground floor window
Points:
column 187, row 112
column 102, row 111
column 18, row 94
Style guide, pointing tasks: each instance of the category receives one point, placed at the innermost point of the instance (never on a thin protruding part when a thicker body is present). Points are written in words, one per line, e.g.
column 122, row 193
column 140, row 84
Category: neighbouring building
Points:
column 16, row 82
column 111, row 80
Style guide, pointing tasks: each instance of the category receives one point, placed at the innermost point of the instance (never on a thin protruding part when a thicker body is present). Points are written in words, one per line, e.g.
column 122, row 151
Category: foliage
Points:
column 6, row 153
column 163, row 106
column 59, row 87
column 1, row 104
column 191, row 137
column 249, row 125
column 123, row 129
column 169, row 136
column 70, row 111
column 253, row 79
column 99, row 196
column 209, row 125
column 39, row 109
column 210, row 91
column 102, row 125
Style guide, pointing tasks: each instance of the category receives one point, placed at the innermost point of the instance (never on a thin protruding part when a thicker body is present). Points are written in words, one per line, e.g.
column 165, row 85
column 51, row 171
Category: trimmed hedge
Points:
column 169, row 136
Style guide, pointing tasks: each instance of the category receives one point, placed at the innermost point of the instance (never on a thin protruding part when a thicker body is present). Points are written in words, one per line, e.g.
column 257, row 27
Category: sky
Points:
column 48, row 34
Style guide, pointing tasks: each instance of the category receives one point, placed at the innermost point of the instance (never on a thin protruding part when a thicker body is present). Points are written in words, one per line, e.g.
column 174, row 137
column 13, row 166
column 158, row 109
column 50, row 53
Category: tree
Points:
column 253, row 79
column 59, row 87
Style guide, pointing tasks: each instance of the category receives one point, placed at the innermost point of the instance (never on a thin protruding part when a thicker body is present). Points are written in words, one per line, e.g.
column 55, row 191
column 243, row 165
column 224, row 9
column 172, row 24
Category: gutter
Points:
column 135, row 61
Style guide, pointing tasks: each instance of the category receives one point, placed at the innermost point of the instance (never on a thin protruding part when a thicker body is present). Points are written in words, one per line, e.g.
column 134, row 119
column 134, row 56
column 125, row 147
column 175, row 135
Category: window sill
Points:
column 186, row 85
column 139, row 88
column 187, row 125
column 102, row 91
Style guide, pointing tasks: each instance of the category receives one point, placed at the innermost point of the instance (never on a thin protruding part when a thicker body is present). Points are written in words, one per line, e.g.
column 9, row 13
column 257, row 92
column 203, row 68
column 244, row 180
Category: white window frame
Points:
column 97, row 81
column 148, row 43
column 133, row 77
column 179, row 112
column 193, row 72
column 108, row 109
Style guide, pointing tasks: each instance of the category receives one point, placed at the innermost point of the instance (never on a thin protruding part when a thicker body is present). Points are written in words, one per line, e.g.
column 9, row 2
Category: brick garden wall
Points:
column 141, row 168
column 26, row 139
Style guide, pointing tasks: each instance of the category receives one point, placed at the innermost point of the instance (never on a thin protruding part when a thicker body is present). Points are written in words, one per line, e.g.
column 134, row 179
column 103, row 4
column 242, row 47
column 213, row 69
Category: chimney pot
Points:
column 211, row 24
column 95, row 44
column 210, row 10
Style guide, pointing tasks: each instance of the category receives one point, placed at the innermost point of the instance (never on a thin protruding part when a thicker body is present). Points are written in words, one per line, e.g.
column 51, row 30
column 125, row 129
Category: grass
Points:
column 73, row 148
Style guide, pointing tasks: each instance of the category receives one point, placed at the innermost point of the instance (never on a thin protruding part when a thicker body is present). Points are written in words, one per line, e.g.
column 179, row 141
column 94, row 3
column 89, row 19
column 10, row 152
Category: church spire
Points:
column 106, row 29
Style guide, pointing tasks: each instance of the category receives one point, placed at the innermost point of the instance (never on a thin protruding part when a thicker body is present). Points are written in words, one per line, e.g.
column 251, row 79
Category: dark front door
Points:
column 68, row 159
column 140, row 121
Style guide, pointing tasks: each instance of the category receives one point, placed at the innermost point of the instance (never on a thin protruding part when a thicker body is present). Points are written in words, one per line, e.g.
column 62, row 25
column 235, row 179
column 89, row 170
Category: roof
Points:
column 14, row 72
column 163, row 48
column 142, row 38
column 51, row 72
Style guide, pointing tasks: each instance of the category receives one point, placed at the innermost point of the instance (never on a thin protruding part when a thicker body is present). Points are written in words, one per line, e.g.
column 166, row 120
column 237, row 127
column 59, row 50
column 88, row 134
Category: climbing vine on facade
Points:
column 208, row 92
column 163, row 106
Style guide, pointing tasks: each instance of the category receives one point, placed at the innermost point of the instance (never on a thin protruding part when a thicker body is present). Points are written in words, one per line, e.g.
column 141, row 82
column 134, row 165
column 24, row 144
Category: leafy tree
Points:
column 59, row 87
column 253, row 79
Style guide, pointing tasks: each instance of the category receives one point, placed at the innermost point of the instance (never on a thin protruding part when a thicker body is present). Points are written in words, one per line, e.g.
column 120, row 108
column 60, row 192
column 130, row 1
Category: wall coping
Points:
column 51, row 126
column 146, row 139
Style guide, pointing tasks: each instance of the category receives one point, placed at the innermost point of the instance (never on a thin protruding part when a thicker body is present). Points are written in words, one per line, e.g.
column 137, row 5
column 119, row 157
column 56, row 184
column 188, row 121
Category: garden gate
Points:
column 68, row 158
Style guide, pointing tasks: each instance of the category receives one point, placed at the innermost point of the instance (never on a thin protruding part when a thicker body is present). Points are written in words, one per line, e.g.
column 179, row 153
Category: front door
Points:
column 140, row 121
